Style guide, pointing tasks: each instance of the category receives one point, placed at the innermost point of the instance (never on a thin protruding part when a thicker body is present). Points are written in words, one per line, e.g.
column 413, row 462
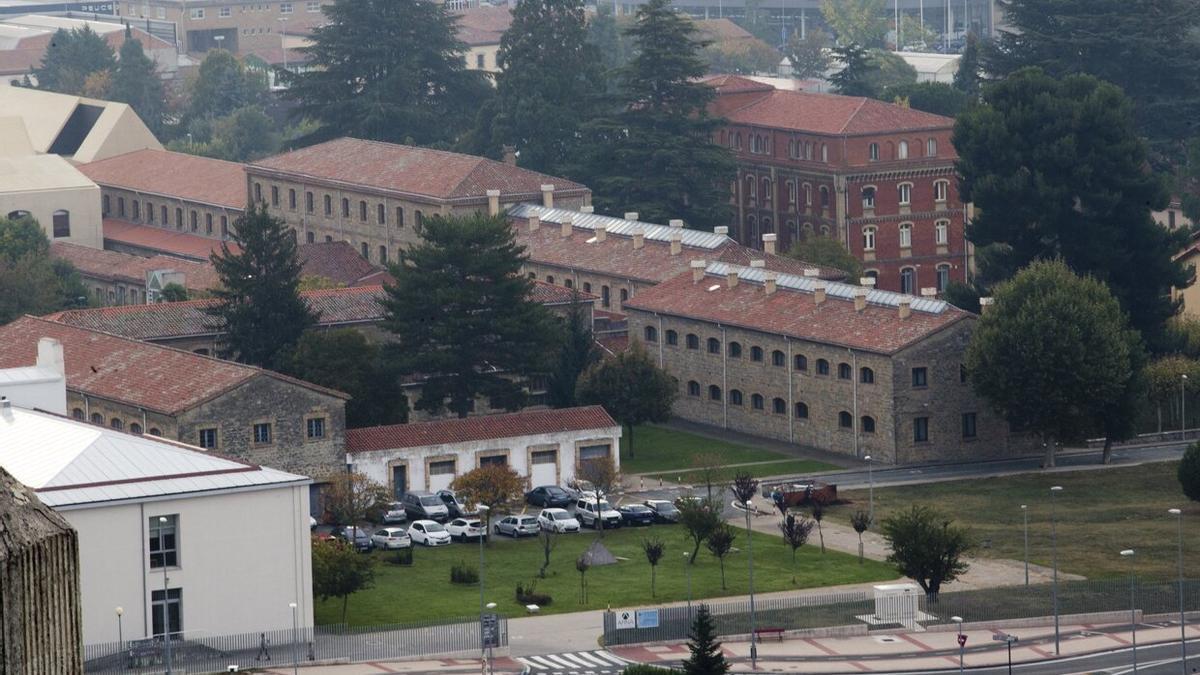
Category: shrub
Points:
column 462, row 573
column 643, row 669
column 528, row 595
column 403, row 556
column 1189, row 472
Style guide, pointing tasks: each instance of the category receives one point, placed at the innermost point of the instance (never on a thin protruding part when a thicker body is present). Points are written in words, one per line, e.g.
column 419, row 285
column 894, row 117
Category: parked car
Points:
column 549, row 496
column 312, row 523
column 454, row 507
column 429, row 533
column 463, row 529
column 391, row 538
column 425, row 506
column 664, row 511
column 517, row 526
column 590, row 512
column 357, row 537
column 636, row 514
column 580, row 489
column 557, row 520
column 395, row 513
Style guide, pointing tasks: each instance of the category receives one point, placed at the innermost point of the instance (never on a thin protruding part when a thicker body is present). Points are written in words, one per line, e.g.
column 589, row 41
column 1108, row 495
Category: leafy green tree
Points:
column 966, row 78
column 859, row 22
column 21, row 237
column 938, row 98
column 388, row 70
column 887, row 69
column 258, row 301
column 827, row 252
column 795, row 530
column 654, row 548
column 916, row 34
column 655, row 154
column 605, row 34
column 706, row 655
column 1189, row 472
column 548, row 85
column 173, row 292
column 244, row 135
column 631, row 387
column 740, row 57
column 338, row 571
column 31, row 282
column 1147, row 48
column 71, row 57
column 700, row 517
column 857, row 77
column 1056, row 169
column 494, row 486
column 1165, row 383
column 461, row 315
column 575, row 355
column 1054, row 354
column 222, row 85
column 809, row 55
column 345, row 360
column 720, row 544
column 135, row 81
column 926, row 547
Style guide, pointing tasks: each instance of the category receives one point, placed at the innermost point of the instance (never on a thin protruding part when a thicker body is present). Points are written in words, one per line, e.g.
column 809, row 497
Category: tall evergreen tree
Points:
column 260, row 305
column 70, row 58
column 223, row 85
column 857, row 77
column 548, row 84
column 137, row 83
column 655, row 154
column 1057, row 170
column 706, row 657
column 577, row 352
column 966, row 78
column 461, row 315
column 388, row 70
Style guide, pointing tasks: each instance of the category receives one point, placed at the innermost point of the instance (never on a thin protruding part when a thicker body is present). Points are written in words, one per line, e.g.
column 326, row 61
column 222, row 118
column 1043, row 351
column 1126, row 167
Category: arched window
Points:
column 98, row 419
column 751, row 187
column 62, row 223
column 824, row 153
column 550, row 278
column 778, row 406
column 902, row 150
column 672, row 337
column 714, row 346
column 381, row 214
column 931, row 147
column 756, row 354
column 735, row 397
column 150, row 212
column 873, row 152
column 178, row 218
column 943, row 277
column 868, row 424
column 800, row 362
column 801, row 410
column 866, row 375
column 362, row 211
column 906, row 235
column 714, row 392
column 135, row 428
column 624, row 294
column 194, row 219
column 791, row 191
column 808, row 150
column 738, row 141
column 766, row 189
column 605, row 294
column 117, row 424
column 77, row 413
column 844, row 371
column 868, row 197
column 155, row 431
column 310, row 237
column 941, row 190
column 163, row 212
column 824, row 197
column 824, row 230
column 383, row 256
column 822, row 367
column 869, row 238
column 345, row 207
column 419, row 217
column 778, row 358
column 693, row 341
column 569, row 283
column 756, row 401
column 941, row 232
column 807, row 194
column 766, row 224
column 587, row 287
column 651, row 334
column 292, row 198
column 693, row 388
column 137, row 210
column 845, row 420
column 908, row 281
column 399, row 216
column 905, row 193
column 735, row 352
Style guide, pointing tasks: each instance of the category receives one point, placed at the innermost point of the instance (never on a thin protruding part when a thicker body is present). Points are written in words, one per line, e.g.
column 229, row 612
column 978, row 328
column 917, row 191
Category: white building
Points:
column 42, row 386
column 545, row 445
column 932, row 66
column 228, row 540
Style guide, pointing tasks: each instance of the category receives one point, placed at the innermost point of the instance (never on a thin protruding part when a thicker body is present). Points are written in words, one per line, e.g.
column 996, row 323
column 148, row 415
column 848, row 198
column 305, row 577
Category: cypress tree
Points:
column 706, row 658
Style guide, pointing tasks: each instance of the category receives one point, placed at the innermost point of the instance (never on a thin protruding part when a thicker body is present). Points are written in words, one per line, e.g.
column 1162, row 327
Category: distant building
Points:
column 74, row 127
column 1172, row 217
column 25, row 38
column 480, row 29
column 115, row 278
column 46, row 187
column 932, row 66
column 545, row 446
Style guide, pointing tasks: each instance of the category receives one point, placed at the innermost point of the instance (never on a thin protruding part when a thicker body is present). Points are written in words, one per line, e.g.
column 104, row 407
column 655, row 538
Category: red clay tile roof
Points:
column 128, row 268
column 162, row 240
column 878, row 328
column 403, row 169
column 337, row 261
column 483, row 25
column 551, row 294
column 154, row 377
column 173, row 174
column 481, row 428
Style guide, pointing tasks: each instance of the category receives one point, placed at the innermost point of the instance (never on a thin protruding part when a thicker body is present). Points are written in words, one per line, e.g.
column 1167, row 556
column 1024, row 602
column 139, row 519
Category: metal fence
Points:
column 853, row 609
column 216, row 653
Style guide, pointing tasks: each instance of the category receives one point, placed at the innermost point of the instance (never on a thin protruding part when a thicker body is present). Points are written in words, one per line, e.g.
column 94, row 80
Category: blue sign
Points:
column 647, row 618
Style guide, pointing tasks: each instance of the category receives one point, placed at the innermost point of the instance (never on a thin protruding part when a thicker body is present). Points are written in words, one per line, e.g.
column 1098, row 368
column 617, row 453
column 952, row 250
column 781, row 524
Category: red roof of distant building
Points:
column 479, row 26
column 339, row 262
column 129, row 268
column 162, row 240
column 173, row 174
column 551, row 294
column 480, row 428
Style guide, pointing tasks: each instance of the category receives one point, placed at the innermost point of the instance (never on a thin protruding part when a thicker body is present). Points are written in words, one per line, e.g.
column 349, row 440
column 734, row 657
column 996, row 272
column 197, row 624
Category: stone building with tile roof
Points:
column 116, row 278
column 846, row 369
column 877, row 176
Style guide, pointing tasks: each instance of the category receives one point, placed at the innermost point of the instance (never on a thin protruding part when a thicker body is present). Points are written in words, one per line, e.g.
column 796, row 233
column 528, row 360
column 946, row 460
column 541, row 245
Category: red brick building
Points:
column 877, row 176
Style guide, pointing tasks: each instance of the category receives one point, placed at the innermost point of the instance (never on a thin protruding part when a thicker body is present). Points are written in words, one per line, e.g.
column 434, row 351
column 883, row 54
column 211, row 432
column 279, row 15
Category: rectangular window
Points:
column 920, row 377
column 197, row 13
column 544, row 457
column 285, row 8
column 164, row 541
column 443, row 468
column 920, row 429
column 121, row 206
column 328, row 205
column 315, row 427
column 905, row 194
column 941, row 232
column 588, row 452
column 208, row 224
column 313, row 6
column 160, row 12
column 968, row 424
column 225, row 13
column 208, row 438
column 274, row 195
column 493, row 460
column 262, row 433
column 167, row 609
column 62, row 223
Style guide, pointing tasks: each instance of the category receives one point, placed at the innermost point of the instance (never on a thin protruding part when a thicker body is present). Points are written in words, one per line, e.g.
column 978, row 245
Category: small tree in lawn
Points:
column 700, row 517
column 654, row 549
column 817, row 506
column 631, row 387
column 1189, row 472
column 795, row 534
column 604, row 476
column 926, row 548
column 549, row 539
column 708, row 463
column 861, row 522
column 706, row 657
column 582, row 564
column 492, row 486
column 354, row 498
column 338, row 570
column 744, row 487
column 720, row 543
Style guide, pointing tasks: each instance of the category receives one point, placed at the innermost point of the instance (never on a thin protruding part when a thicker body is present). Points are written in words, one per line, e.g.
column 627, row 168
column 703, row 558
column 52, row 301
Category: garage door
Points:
column 441, row 474
column 545, row 468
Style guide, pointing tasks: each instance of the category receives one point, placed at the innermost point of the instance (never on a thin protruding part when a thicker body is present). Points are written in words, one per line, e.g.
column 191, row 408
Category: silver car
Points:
column 517, row 526
column 391, row 538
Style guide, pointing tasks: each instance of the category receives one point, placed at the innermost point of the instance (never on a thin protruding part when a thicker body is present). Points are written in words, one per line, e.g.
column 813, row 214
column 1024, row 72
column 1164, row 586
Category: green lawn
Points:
column 664, row 449
column 1100, row 513
column 424, row 591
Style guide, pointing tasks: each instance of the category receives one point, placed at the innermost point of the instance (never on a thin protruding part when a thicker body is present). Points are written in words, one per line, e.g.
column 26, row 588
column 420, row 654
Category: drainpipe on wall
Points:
column 791, row 396
column 854, row 385
column 724, row 381
column 661, row 339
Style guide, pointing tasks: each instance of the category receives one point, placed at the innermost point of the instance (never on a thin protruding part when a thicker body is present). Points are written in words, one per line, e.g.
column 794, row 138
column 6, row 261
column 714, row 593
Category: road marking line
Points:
column 913, row 640
column 820, row 646
column 576, row 660
column 609, row 656
column 860, row 666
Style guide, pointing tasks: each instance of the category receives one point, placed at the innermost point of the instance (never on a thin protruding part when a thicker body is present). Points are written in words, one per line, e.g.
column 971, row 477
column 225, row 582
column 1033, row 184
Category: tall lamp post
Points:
column 483, row 524
column 120, row 632
column 1054, row 547
column 1128, row 553
column 750, row 553
column 1182, row 617
column 295, row 638
column 871, row 492
column 491, row 666
column 1183, row 406
column 1025, row 516
column 687, row 564
column 962, row 643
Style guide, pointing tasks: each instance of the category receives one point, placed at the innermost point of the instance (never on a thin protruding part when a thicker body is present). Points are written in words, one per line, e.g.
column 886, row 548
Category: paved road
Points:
column 595, row 662
column 1161, row 659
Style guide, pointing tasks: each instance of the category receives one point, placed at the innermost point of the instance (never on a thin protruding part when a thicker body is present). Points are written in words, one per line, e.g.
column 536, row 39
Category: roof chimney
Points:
column 676, row 242
column 631, row 215
column 731, row 278
column 587, row 209
column 601, row 232
column 819, row 292
column 510, row 155
column 869, row 282
column 50, row 355
column 860, row 299
column 811, row 272
column 493, row 202
column 698, row 270
column 905, row 307
column 567, row 226
column 758, row 263
column 548, row 195
column 675, row 222
column 535, row 222
column 721, row 229
column 985, row 304
column 928, row 292
column 639, row 238
column 5, row 404
column 769, row 282
column 769, row 243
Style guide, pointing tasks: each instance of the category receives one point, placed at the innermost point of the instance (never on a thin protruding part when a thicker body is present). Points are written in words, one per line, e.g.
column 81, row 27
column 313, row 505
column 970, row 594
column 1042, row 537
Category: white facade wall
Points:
column 518, row 451
column 243, row 557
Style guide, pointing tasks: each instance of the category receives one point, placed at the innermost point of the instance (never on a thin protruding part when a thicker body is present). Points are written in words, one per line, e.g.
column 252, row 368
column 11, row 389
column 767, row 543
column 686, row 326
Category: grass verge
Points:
column 664, row 449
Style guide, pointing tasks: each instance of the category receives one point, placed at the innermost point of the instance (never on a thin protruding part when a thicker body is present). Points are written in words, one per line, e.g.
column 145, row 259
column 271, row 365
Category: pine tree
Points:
column 655, row 154
column 72, row 56
column 966, row 78
column 577, row 352
column 856, row 78
column 137, row 83
column 222, row 86
column 548, row 85
column 259, row 301
column 706, row 658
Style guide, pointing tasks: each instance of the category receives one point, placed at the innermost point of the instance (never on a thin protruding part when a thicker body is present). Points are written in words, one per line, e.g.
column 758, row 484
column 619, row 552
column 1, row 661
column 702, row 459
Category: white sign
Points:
column 626, row 619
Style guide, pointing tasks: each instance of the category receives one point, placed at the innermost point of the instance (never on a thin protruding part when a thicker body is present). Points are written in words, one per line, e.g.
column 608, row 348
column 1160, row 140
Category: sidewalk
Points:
column 502, row 665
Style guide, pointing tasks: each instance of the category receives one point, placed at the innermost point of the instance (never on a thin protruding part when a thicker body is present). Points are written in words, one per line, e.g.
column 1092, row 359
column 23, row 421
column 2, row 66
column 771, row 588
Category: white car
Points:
column 391, row 538
column 429, row 533
column 590, row 512
column 557, row 520
column 463, row 529
column 395, row 513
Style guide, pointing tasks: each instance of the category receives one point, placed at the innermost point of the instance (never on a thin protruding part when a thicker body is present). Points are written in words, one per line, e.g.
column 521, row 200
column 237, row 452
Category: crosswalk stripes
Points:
column 576, row 663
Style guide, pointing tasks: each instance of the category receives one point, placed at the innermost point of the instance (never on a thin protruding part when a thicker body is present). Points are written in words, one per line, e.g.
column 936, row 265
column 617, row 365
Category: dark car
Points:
column 664, row 511
column 549, row 496
column 358, row 537
column 636, row 514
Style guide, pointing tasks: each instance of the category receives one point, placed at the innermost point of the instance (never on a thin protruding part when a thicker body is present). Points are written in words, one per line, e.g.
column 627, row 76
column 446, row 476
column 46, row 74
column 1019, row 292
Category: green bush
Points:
column 528, row 595
column 404, row 556
column 643, row 669
column 462, row 573
column 1189, row 472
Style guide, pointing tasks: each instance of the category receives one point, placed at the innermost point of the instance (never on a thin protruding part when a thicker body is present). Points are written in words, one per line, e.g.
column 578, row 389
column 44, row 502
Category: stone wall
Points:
column 117, row 415
column 170, row 213
column 618, row 288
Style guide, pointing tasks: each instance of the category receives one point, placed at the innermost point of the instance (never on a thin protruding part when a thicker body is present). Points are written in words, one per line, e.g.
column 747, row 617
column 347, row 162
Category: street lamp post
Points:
column 295, row 638
column 483, row 524
column 962, row 644
column 1054, row 548
column 491, row 666
column 1182, row 617
column 750, row 553
column 120, row 632
column 871, row 492
column 687, row 563
column 1183, row 406
column 1025, row 516
column 1128, row 553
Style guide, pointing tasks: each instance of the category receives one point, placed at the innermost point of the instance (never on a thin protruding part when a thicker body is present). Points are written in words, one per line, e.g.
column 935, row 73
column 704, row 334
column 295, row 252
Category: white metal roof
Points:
column 620, row 226
column 832, row 288
column 72, row 463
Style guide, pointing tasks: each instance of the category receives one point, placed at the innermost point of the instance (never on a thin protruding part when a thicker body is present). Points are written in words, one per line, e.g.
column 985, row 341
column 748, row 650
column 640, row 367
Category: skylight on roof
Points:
column 714, row 287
